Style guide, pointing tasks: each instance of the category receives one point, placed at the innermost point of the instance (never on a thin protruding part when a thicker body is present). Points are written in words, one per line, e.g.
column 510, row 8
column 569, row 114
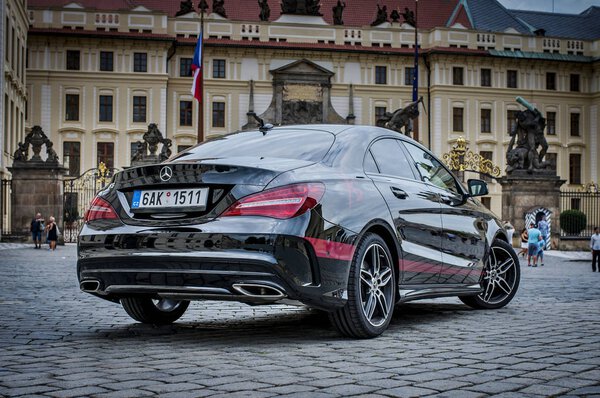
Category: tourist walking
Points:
column 533, row 240
column 510, row 231
column 52, row 231
column 544, row 229
column 37, row 226
column 595, row 246
column 524, row 239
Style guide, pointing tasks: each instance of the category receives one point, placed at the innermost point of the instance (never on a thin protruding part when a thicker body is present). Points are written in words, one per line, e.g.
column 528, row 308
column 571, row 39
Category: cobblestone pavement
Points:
column 58, row 342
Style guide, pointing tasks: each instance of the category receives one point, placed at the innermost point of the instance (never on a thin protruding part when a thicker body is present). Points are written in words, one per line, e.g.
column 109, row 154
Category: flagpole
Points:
column 416, row 74
column 201, row 103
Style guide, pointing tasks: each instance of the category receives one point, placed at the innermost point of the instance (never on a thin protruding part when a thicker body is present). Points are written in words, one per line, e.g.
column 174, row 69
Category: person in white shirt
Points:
column 595, row 246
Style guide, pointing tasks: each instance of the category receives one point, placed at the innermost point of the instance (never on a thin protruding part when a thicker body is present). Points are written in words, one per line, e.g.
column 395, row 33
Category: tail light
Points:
column 283, row 202
column 100, row 209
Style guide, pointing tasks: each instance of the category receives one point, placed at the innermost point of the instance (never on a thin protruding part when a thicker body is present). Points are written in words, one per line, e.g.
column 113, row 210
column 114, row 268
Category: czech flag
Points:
column 197, row 70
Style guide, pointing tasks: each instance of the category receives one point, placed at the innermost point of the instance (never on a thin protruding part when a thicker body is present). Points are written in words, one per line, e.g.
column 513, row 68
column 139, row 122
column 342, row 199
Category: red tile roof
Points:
column 357, row 13
column 100, row 33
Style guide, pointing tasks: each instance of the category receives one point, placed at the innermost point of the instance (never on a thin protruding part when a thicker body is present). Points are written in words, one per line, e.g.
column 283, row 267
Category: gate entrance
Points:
column 78, row 193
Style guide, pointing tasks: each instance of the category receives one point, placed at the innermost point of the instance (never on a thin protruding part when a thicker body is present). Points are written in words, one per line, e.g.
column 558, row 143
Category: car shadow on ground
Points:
column 297, row 325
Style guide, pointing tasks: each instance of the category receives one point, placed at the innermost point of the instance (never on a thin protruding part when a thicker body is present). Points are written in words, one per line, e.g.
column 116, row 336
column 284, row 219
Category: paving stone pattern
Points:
column 56, row 341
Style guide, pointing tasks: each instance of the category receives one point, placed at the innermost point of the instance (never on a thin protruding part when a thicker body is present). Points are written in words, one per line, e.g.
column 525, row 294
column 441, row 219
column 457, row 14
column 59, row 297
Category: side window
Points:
column 370, row 166
column 391, row 159
column 431, row 169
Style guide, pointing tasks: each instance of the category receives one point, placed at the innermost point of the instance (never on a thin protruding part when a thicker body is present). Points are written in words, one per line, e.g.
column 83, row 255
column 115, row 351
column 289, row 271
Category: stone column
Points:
column 37, row 187
column 523, row 193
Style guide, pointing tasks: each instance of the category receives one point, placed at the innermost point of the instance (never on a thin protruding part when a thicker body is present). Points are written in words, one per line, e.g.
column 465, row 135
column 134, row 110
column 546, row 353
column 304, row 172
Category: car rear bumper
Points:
column 256, row 269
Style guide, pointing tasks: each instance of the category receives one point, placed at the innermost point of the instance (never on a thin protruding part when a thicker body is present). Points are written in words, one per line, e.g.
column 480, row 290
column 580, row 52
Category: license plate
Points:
column 194, row 197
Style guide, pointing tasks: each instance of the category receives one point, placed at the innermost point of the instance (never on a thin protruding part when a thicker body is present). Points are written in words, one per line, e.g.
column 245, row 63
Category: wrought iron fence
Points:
column 5, row 195
column 586, row 202
column 78, row 193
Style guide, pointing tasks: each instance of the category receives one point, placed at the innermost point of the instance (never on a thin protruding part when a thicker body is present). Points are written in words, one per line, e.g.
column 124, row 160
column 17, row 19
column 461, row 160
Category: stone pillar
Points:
column 37, row 187
column 523, row 193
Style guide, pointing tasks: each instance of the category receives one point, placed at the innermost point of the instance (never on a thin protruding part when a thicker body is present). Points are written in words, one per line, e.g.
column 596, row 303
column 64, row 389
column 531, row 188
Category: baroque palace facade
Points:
column 97, row 73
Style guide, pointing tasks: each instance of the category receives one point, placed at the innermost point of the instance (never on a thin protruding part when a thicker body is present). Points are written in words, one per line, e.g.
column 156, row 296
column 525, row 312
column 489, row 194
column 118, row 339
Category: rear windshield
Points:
column 309, row 145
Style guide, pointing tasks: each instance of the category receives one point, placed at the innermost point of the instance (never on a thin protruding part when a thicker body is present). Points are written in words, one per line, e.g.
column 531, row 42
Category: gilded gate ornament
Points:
column 460, row 158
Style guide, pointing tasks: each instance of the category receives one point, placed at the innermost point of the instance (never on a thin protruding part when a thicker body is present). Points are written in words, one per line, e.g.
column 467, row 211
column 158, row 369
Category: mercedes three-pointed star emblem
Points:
column 166, row 173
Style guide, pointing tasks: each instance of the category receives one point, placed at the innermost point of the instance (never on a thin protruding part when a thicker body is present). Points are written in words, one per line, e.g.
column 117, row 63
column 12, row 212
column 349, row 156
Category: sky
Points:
column 560, row 6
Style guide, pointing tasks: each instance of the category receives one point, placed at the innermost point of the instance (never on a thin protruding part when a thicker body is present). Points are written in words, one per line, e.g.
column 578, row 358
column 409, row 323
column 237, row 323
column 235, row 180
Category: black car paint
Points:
column 354, row 203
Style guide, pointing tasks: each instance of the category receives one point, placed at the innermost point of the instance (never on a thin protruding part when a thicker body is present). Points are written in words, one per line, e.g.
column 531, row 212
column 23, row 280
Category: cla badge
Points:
column 166, row 173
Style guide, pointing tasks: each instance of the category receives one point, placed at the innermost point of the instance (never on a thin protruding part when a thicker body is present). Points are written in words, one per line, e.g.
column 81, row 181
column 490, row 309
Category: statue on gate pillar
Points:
column 526, row 136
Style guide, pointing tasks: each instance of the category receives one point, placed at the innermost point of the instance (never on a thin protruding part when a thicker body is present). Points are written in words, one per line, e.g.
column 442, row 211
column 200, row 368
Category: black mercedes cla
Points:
column 347, row 219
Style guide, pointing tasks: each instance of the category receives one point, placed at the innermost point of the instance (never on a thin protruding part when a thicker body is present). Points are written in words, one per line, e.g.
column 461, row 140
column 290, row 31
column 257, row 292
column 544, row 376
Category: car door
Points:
column 463, row 227
column 415, row 210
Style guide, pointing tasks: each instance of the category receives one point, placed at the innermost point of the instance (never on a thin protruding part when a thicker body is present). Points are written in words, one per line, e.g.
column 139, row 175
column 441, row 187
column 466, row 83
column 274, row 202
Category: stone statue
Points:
column 165, row 152
column 526, row 136
column 288, row 6
column 52, row 155
column 153, row 136
column 313, row 7
column 301, row 7
column 401, row 119
column 21, row 154
column 381, row 15
column 203, row 6
column 395, row 15
column 409, row 17
column 185, row 7
column 36, row 138
column 265, row 11
column 338, row 12
column 219, row 8
column 141, row 150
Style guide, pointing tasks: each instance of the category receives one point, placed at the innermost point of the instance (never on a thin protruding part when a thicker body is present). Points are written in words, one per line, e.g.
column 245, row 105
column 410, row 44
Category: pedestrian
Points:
column 524, row 239
column 52, row 231
column 510, row 231
column 595, row 246
column 544, row 229
column 540, row 253
column 37, row 226
column 533, row 240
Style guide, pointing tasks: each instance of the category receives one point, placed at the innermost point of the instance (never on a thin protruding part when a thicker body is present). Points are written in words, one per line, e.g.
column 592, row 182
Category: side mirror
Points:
column 477, row 187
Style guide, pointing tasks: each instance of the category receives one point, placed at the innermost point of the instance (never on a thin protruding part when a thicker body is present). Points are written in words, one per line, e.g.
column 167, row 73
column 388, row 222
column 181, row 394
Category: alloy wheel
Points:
column 500, row 276
column 376, row 285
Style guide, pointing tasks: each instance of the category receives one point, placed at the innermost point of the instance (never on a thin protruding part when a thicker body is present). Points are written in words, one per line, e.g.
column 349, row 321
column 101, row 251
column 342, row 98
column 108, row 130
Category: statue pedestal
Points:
column 37, row 187
column 525, row 195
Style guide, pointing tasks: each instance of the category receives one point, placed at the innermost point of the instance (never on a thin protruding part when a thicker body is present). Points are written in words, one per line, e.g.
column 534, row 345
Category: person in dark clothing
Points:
column 37, row 226
column 52, row 231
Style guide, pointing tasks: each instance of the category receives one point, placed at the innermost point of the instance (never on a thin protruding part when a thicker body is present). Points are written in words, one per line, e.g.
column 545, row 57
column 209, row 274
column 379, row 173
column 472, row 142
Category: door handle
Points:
column 399, row 193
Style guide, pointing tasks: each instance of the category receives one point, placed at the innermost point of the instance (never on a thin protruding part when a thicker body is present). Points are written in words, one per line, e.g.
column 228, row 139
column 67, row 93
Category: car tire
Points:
column 371, row 291
column 157, row 312
column 500, row 279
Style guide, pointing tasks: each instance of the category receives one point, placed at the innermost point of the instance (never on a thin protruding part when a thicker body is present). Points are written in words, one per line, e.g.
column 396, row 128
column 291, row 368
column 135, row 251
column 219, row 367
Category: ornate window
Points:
column 574, row 168
column 218, row 114
column 551, row 123
column 106, row 61
column 185, row 113
column 550, row 81
column 219, row 68
column 73, row 60
column 458, row 76
column 486, row 78
column 106, row 108
column 105, row 152
column 139, row 109
column 72, row 107
column 486, row 120
column 457, row 119
column 575, row 124
column 380, row 75
column 140, row 62
column 185, row 67
column 72, row 157
column 511, row 79
column 574, row 82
